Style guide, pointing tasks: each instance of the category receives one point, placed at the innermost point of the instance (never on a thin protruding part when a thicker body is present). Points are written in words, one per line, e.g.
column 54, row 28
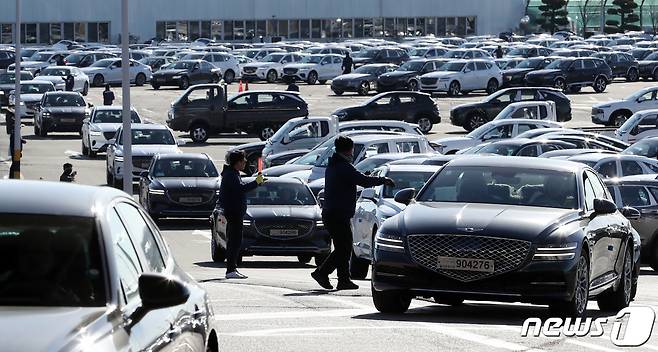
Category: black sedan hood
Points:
column 279, row 212
column 468, row 106
column 353, row 77
column 279, row 170
column 516, row 71
column 509, row 221
column 65, row 109
column 399, row 74
column 170, row 72
column 249, row 148
column 191, row 183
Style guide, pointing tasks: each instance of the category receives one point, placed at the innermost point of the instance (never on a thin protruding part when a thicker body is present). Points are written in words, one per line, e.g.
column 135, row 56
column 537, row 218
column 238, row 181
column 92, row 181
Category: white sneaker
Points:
column 235, row 275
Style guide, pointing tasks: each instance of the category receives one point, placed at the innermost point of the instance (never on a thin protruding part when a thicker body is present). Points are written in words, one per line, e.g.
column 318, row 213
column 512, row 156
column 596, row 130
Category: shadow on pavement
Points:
column 58, row 137
column 246, row 264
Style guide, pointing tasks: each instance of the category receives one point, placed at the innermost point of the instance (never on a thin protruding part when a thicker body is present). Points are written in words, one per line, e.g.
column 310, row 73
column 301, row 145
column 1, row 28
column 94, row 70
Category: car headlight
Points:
column 156, row 192
column 444, row 79
column 246, row 222
column 387, row 242
column 556, row 252
column 170, row 114
column 45, row 114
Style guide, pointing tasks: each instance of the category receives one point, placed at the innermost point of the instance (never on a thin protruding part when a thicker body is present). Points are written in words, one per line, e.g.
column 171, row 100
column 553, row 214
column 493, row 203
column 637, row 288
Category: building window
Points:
column 316, row 29
column 461, row 25
column 44, row 32
column 389, row 27
column 160, row 30
column 272, row 28
column 228, row 30
column 401, row 27
column 250, row 30
column 6, row 34
column 170, row 31
column 470, row 26
column 104, row 32
column 68, row 31
column 195, row 30
column 326, row 29
column 29, row 33
column 261, row 29
column 348, row 31
column 283, row 28
column 358, row 27
column 205, row 29
column 182, row 32
column 372, row 27
column 420, row 26
column 304, row 29
column 238, row 30
column 441, row 26
column 216, row 30
column 293, row 29
column 451, row 26
column 55, row 32
column 430, row 25
column 80, row 34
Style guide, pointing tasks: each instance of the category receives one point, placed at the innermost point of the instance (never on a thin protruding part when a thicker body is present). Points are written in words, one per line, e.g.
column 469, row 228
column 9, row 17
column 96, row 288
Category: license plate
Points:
column 189, row 199
column 466, row 264
column 67, row 120
column 283, row 232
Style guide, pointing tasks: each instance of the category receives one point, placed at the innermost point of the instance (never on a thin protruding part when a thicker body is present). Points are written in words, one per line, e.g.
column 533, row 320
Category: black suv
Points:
column 380, row 56
column 413, row 107
column 515, row 77
column 7, row 57
column 649, row 66
column 406, row 76
column 623, row 65
column 473, row 115
column 570, row 74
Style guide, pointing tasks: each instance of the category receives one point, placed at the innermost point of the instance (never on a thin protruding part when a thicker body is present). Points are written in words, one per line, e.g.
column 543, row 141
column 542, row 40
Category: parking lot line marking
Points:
column 472, row 337
column 294, row 314
column 72, row 153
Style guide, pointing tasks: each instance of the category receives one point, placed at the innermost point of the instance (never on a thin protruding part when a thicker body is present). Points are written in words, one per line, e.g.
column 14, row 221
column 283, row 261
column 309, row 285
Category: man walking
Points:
column 347, row 64
column 499, row 52
column 69, row 82
column 233, row 202
column 341, row 179
column 108, row 95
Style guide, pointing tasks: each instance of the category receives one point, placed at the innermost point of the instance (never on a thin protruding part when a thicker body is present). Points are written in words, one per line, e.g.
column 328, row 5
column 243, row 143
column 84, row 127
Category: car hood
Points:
column 93, row 69
column 50, row 328
column 440, row 74
column 150, row 150
column 609, row 103
column 188, row 182
column 467, row 106
column 516, row 71
column 278, row 212
column 65, row 109
column 54, row 79
column 353, row 77
column 250, row 147
column 262, row 64
column 32, row 63
column 170, row 72
column 299, row 66
column 284, row 169
column 399, row 74
column 529, row 223
column 544, row 72
column 108, row 127
column 304, row 175
column 361, row 60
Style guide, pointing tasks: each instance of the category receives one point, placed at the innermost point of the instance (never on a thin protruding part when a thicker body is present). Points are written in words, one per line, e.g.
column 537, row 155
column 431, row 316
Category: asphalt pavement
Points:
column 279, row 307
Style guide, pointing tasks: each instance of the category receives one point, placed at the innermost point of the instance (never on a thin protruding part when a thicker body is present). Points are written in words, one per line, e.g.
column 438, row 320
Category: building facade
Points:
column 247, row 20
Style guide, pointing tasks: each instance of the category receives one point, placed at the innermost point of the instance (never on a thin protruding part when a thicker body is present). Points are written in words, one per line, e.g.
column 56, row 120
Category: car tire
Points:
column 454, row 88
column 199, row 133
column 358, row 267
column 320, row 258
column 271, row 76
column 338, row 91
column 85, row 89
column 475, row 120
column 492, row 86
column 215, row 78
column 312, row 78
column 424, row 124
column 364, row 88
column 304, row 259
column 266, row 132
column 184, row 83
column 140, row 79
column 654, row 75
column 577, row 305
column 600, row 84
column 413, row 85
column 229, row 76
column 450, row 301
column 653, row 258
column 560, row 84
column 632, row 75
column 618, row 118
column 616, row 300
column 217, row 253
column 98, row 80
column 322, row 81
column 394, row 302
column 155, row 86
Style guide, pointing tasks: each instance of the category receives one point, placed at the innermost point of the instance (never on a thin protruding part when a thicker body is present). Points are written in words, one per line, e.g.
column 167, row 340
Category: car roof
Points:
column 60, row 92
column 178, row 156
column 634, row 179
column 277, row 180
column 375, row 137
column 510, row 121
column 111, row 108
column 148, row 126
column 27, row 197
column 518, row 162
column 601, row 156
column 36, row 81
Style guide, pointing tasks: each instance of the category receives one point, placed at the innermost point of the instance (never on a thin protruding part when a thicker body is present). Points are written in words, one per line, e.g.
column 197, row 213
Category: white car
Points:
column 491, row 131
column 376, row 204
column 314, row 68
column 31, row 93
column 109, row 71
column 40, row 60
column 533, row 110
column 257, row 54
column 270, row 68
column 616, row 112
column 58, row 74
column 463, row 76
column 243, row 61
column 147, row 141
column 227, row 63
column 641, row 125
column 101, row 126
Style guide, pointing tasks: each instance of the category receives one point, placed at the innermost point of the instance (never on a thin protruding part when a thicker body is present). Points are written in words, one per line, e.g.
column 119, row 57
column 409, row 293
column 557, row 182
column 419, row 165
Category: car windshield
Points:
column 74, row 58
column 34, row 88
column 276, row 193
column 273, row 58
column 40, row 57
column 368, row 70
column 189, row 56
column 64, row 100
column 185, row 168
column 55, row 71
column 453, row 66
column 418, row 52
column 310, row 157
column 367, row 165
column 648, row 148
column 499, row 148
column 151, row 136
column 454, row 54
column 102, row 63
column 559, row 64
column 184, row 65
column 50, row 261
column 403, row 180
column 530, row 63
column 519, row 51
column 411, row 66
column 7, row 78
column 504, row 186
column 251, row 53
column 652, row 57
column 312, row 59
column 113, row 116
column 369, row 53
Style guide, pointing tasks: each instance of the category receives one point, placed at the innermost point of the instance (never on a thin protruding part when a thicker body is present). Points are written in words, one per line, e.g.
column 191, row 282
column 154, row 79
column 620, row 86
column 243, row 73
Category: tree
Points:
column 554, row 15
column 625, row 9
column 584, row 16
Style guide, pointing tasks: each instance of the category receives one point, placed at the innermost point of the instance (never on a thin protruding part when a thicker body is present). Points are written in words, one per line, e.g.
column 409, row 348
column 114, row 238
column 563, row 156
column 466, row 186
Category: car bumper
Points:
column 599, row 117
column 317, row 242
column 513, row 82
column 391, row 86
column 258, row 75
column 457, row 119
column 299, row 76
column 439, row 86
column 165, row 81
column 57, row 124
column 162, row 206
column 177, row 125
column 97, row 143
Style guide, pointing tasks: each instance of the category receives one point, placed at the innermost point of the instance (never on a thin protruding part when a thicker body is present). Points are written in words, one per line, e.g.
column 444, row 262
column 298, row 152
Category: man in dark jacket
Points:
column 108, row 95
column 347, row 64
column 340, row 181
column 233, row 202
column 499, row 52
column 68, row 175
column 69, row 82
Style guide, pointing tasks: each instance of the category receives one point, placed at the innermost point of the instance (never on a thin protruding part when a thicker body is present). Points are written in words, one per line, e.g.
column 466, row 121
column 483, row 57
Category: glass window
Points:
column 634, row 196
column 588, row 64
column 68, row 31
column 250, row 30
column 408, row 147
column 283, row 28
column 629, row 168
column 358, row 28
column 377, row 27
column 142, row 236
column 7, row 33
column 80, row 32
column 126, row 258
column 92, row 29
column 347, row 31
column 316, row 29
column 608, row 169
column 530, row 150
column 304, row 29
column 404, row 180
column 228, row 30
column 205, row 29
column 451, row 26
column 419, row 27
column 272, row 28
column 182, row 31
column 239, row 32
column 195, row 30
column 389, row 27
column 160, row 30
column 271, row 193
column 216, row 30
column 261, row 29
column 589, row 194
column 401, row 27
column 44, row 33
column 524, row 127
column 470, row 26
column 104, row 32
column 461, row 26
column 377, row 148
column 29, row 33
column 430, row 25
column 305, row 130
column 55, row 32
column 499, row 132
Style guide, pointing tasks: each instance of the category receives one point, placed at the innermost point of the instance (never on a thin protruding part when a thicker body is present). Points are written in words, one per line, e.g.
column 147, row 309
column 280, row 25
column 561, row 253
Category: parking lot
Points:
column 279, row 307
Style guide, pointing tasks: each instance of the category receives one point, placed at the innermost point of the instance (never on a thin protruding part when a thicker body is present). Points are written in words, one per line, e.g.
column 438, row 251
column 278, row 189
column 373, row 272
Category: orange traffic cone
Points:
column 246, row 85
column 240, row 87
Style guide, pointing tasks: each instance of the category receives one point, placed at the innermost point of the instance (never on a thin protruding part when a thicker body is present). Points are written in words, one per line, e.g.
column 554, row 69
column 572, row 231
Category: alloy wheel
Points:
column 582, row 285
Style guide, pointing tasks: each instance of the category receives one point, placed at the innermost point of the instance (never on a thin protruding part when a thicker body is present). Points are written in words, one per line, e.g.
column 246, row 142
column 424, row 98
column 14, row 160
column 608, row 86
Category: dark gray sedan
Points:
column 362, row 80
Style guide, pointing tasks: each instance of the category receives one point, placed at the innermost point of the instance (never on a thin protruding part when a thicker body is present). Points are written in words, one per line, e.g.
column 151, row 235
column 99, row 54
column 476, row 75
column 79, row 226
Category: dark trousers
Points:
column 233, row 242
column 341, row 235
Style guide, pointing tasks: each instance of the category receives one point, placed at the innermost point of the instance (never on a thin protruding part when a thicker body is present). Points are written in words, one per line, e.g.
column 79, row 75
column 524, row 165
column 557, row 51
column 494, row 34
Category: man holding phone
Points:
column 68, row 175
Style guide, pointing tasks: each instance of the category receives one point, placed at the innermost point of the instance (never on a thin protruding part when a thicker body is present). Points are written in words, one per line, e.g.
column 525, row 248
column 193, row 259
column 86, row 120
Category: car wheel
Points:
column 632, row 75
column 85, row 89
column 140, row 79
column 358, row 267
column 215, row 78
column 492, row 86
column 304, row 259
column 454, row 88
column 271, row 76
column 560, row 84
column 199, row 133
column 577, row 305
column 654, row 75
column 616, row 300
column 99, row 80
column 312, row 78
column 338, row 91
column 424, row 124
column 619, row 118
column 653, row 258
column 364, row 88
column 395, row 302
column 600, row 84
column 413, row 85
column 184, row 83
column 252, row 163
column 450, row 301
column 475, row 120
column 320, row 258
column 229, row 76
column 217, row 253
column 155, row 86
column 265, row 133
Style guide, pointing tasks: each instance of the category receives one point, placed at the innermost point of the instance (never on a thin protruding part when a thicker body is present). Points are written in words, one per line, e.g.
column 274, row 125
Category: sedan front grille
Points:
column 249, row 70
column 290, row 71
column 507, row 254
column 191, row 196
column 428, row 80
column 141, row 162
column 265, row 227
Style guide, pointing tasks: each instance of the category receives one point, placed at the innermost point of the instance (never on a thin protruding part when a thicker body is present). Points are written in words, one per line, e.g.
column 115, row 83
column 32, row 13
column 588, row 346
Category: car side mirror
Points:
column 156, row 292
column 630, row 213
column 604, row 206
column 86, row 120
column 144, row 174
column 405, row 196
column 320, row 197
column 368, row 193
